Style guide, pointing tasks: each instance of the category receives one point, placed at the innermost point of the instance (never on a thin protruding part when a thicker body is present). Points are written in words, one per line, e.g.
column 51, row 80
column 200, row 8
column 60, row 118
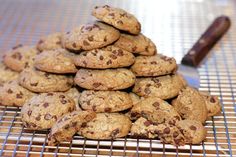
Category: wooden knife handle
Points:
column 207, row 40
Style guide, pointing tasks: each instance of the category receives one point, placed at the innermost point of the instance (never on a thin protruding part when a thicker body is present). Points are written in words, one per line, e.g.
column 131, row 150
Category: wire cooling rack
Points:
column 173, row 25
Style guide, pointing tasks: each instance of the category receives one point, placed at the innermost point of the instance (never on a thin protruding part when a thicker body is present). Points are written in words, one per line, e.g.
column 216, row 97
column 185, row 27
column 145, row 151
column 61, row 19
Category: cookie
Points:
column 156, row 110
column 90, row 36
column 55, row 61
column 106, row 126
column 170, row 134
column 138, row 44
column 135, row 98
column 67, row 125
column 154, row 65
column 109, row 79
column 50, row 42
column 193, row 131
column 118, row 18
column 107, row 57
column 74, row 94
column 105, row 101
column 164, row 87
column 20, row 57
column 38, row 81
column 190, row 105
column 12, row 94
column 43, row 110
column 212, row 103
column 7, row 74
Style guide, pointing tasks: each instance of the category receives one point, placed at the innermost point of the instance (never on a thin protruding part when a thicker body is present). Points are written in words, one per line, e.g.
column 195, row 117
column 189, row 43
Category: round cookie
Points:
column 212, row 103
column 43, row 110
column 50, row 42
column 67, row 125
column 107, row 57
column 38, row 81
column 154, row 65
column 12, row 94
column 7, row 74
column 20, row 57
column 118, row 18
column 193, row 131
column 107, row 126
column 90, row 36
column 105, row 101
column 109, row 79
column 170, row 134
column 190, row 105
column 164, row 87
column 138, row 44
column 74, row 94
column 156, row 110
column 55, row 61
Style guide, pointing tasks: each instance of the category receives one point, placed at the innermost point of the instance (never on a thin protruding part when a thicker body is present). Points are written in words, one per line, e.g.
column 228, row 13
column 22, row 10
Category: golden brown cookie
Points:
column 118, row 18
column 109, row 79
column 107, row 57
column 7, row 74
column 138, row 44
column 90, row 36
column 50, row 42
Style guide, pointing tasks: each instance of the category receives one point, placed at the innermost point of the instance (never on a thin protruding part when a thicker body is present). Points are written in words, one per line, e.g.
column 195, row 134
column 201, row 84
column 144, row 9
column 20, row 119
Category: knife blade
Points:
column 190, row 61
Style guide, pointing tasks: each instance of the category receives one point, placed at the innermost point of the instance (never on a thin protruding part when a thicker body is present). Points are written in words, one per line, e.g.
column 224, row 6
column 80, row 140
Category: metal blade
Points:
column 190, row 75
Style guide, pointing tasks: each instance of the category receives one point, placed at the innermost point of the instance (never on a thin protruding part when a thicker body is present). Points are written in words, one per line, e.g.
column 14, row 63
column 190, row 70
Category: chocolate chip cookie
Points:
column 156, row 110
column 20, row 57
column 90, row 36
column 55, row 61
column 164, row 87
column 38, row 81
column 7, row 74
column 50, row 42
column 118, row 18
column 107, row 57
column 212, row 103
column 43, row 110
column 191, row 105
column 138, row 44
column 105, row 101
column 193, row 131
column 109, row 79
column 106, row 126
column 154, row 65
column 67, row 125
column 12, row 94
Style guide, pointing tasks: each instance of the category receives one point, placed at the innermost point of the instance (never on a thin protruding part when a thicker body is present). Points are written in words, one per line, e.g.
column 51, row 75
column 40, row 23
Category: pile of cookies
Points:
column 103, row 80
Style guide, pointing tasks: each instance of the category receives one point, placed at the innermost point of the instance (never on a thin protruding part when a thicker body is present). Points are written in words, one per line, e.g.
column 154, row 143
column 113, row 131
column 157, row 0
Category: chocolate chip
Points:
column 96, row 84
column 123, row 14
column 74, row 45
column 113, row 56
column 178, row 141
column 192, row 127
column 94, row 108
column 147, row 91
column 111, row 14
column 17, row 56
column 85, row 43
column 90, row 38
column 120, row 22
column 109, row 62
column 120, row 52
column 74, row 124
column 17, row 46
column 212, row 99
column 9, row 91
column 106, row 6
column 105, row 39
column 38, row 118
column 19, row 96
column 156, row 105
column 58, row 42
column 62, row 96
column 67, row 126
column 134, row 48
column 45, row 105
column 153, row 62
column 48, row 116
column 134, row 114
column 63, row 101
column 49, row 94
column 147, row 123
column 115, row 132
column 83, row 125
column 177, row 117
column 101, row 57
column 29, row 112
column 175, row 134
column 167, row 130
column 34, row 84
column 40, row 41
column 107, row 109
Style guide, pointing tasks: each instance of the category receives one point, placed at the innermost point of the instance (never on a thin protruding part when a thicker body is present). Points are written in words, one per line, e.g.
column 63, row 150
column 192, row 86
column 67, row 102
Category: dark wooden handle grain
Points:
column 207, row 40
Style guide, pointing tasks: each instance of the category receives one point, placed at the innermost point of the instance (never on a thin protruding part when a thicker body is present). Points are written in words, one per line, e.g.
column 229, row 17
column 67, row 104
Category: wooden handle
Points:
column 208, row 39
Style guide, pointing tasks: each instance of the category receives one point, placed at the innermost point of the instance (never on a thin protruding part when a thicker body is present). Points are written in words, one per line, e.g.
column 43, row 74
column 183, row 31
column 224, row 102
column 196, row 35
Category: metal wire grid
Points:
column 174, row 26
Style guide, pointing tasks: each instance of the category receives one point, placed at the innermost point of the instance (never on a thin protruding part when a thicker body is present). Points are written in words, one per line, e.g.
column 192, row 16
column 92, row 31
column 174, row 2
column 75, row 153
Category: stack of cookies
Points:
column 80, row 81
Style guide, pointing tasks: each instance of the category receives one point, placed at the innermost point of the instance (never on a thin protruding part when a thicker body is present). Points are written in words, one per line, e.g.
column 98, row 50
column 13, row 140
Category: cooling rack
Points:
column 173, row 25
